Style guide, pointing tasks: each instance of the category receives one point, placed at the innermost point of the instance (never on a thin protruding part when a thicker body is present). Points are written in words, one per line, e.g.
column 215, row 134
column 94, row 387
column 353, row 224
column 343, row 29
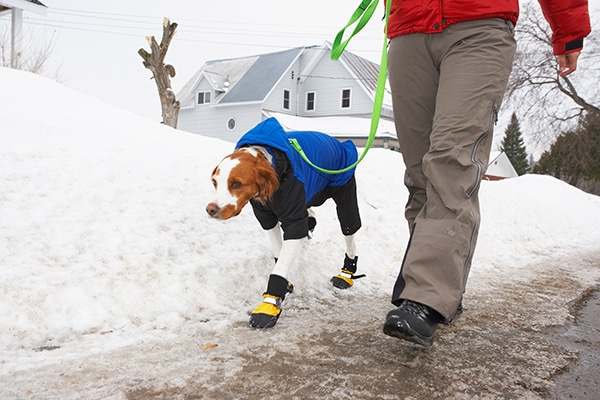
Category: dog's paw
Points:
column 263, row 321
column 267, row 313
column 345, row 279
column 342, row 282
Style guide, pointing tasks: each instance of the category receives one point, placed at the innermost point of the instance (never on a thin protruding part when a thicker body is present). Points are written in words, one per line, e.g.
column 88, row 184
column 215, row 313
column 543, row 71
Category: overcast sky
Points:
column 95, row 43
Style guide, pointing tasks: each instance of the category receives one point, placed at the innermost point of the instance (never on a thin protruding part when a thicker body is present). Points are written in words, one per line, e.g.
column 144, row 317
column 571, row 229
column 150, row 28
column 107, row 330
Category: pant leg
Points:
column 413, row 77
column 474, row 61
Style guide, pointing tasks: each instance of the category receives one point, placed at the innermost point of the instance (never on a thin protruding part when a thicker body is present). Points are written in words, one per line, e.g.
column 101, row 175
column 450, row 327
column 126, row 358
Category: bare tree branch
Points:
column 34, row 56
column 571, row 91
column 546, row 103
column 154, row 61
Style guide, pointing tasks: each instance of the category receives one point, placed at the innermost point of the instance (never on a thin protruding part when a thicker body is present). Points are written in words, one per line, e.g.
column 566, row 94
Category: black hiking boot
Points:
column 414, row 322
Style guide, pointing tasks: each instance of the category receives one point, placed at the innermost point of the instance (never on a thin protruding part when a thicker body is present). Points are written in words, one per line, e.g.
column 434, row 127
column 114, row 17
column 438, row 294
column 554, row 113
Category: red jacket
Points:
column 569, row 19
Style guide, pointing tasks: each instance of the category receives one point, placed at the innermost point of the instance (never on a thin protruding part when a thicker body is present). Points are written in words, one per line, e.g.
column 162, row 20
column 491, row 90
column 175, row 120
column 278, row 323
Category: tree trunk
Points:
column 162, row 74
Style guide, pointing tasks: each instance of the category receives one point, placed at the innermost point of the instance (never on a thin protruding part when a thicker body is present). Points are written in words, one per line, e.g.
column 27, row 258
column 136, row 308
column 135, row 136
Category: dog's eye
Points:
column 236, row 184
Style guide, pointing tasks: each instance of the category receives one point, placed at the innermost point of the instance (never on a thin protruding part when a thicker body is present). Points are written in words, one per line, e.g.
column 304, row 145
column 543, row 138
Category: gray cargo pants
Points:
column 446, row 88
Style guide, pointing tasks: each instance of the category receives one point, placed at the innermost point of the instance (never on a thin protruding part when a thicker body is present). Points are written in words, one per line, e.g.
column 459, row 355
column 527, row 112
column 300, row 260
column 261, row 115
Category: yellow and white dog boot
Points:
column 267, row 313
column 346, row 278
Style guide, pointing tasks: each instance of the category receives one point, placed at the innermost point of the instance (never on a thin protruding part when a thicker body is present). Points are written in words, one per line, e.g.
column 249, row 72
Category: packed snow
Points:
column 104, row 240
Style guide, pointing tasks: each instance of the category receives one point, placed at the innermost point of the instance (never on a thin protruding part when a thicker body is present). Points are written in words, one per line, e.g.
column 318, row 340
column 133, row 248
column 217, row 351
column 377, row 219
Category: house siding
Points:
column 212, row 120
column 327, row 80
column 289, row 81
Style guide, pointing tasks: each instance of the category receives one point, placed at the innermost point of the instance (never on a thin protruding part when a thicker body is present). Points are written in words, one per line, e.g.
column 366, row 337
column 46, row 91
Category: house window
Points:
column 310, row 101
column 203, row 97
column 346, row 95
column 231, row 124
column 286, row 99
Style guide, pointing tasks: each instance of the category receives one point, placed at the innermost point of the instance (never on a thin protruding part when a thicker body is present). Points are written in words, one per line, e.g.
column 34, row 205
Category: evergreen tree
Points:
column 514, row 147
column 575, row 156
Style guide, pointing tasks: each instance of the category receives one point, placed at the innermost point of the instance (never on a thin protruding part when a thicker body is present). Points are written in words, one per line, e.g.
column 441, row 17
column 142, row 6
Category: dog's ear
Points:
column 267, row 182
column 215, row 171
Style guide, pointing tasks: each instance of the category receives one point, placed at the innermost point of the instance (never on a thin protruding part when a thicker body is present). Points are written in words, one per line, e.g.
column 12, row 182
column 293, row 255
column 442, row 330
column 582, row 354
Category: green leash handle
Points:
column 362, row 14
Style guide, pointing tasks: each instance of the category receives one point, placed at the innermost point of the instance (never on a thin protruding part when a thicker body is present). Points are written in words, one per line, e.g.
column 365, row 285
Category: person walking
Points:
column 449, row 63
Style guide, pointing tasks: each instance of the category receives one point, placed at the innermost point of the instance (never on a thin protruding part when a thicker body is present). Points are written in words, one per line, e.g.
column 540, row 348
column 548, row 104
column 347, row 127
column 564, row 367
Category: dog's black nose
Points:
column 212, row 209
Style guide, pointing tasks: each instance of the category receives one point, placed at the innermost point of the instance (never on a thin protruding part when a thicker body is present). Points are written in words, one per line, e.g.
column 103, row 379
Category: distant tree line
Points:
column 575, row 156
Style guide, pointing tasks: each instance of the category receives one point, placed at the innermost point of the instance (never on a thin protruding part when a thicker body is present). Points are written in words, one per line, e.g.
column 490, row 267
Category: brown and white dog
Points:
column 265, row 171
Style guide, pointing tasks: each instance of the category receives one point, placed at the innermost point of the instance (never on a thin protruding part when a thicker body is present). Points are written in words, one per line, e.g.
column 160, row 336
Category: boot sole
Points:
column 339, row 283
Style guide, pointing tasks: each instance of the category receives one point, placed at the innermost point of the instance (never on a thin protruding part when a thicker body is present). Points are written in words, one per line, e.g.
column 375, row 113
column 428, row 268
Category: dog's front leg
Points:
column 267, row 313
column 276, row 240
column 288, row 255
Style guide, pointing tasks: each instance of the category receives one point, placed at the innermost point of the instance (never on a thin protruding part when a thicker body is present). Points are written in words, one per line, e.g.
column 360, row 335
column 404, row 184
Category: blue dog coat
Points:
column 301, row 185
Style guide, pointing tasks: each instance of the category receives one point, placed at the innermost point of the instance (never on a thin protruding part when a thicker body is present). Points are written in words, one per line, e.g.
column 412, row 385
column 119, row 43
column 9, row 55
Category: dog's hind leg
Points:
column 350, row 246
column 346, row 277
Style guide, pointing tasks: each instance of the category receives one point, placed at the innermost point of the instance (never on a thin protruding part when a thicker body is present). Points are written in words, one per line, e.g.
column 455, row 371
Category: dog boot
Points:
column 267, row 313
column 346, row 278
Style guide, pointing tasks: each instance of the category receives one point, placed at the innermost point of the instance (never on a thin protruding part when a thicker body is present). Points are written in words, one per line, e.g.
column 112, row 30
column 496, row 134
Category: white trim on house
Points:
column 319, row 54
column 25, row 5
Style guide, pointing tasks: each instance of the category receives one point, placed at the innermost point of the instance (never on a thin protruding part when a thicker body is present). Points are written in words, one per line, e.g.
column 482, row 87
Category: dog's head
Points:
column 239, row 177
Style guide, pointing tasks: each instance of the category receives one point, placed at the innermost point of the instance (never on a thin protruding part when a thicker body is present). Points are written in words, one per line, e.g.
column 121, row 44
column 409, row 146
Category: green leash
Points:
column 362, row 14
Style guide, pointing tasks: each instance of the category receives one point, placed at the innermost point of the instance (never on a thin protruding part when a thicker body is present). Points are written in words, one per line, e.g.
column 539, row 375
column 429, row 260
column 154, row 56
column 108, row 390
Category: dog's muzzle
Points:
column 213, row 210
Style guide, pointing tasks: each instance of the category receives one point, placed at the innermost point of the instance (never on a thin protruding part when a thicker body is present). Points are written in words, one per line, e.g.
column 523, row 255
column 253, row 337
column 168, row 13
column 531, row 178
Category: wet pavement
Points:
column 581, row 379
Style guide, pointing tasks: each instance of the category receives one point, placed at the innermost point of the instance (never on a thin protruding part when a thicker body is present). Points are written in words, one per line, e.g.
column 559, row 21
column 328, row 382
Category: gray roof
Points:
column 367, row 72
column 260, row 78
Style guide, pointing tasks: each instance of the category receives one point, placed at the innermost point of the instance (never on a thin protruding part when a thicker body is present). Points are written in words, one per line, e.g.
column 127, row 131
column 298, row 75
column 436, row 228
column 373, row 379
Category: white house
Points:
column 302, row 87
column 16, row 7
column 499, row 167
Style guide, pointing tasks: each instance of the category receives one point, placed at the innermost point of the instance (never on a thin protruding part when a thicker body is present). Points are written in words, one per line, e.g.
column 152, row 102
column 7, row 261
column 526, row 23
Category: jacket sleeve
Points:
column 570, row 23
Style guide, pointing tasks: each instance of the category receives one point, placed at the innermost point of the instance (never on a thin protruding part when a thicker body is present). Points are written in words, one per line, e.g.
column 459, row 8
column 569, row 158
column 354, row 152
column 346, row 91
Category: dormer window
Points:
column 203, row 97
